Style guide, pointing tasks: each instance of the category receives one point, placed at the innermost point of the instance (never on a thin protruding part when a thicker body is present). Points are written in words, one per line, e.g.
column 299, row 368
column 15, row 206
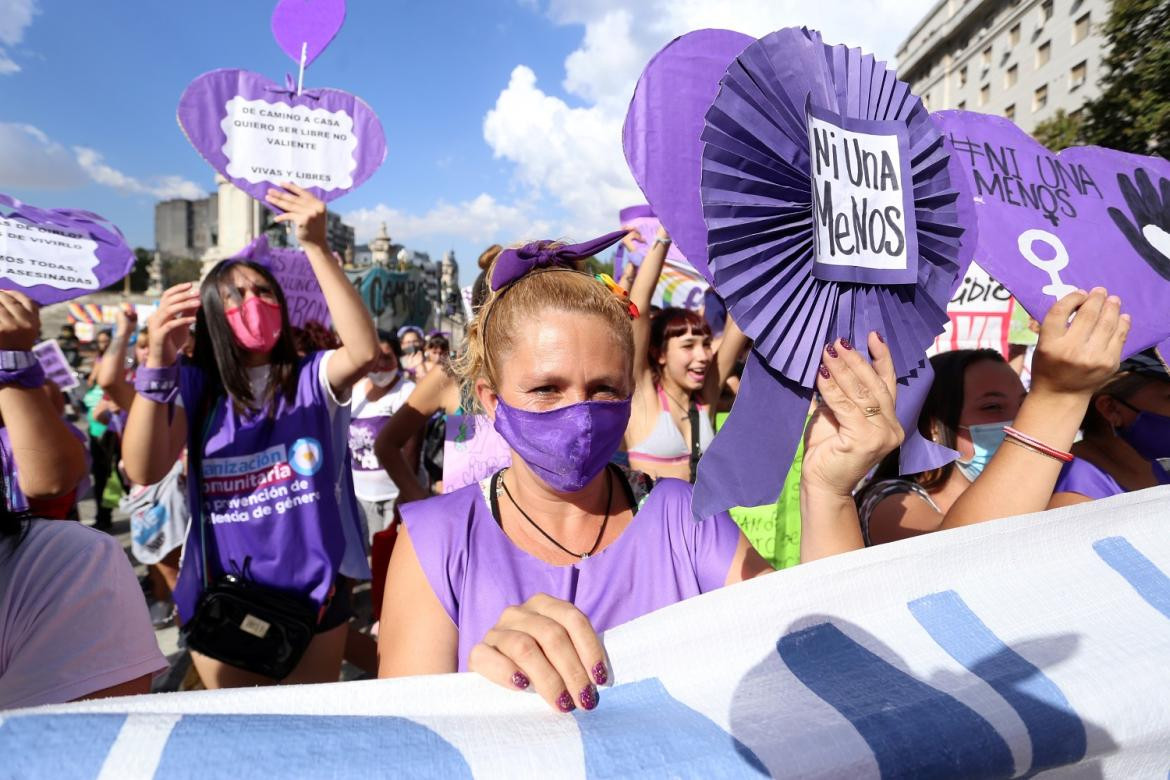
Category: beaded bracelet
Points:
column 160, row 385
column 1026, row 441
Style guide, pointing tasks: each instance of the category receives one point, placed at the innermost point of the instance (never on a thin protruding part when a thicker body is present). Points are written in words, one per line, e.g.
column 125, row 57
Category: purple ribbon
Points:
column 514, row 263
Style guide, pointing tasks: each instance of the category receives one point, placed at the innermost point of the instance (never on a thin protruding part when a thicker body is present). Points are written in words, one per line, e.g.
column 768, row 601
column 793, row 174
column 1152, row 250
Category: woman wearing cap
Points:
column 1126, row 433
column 514, row 576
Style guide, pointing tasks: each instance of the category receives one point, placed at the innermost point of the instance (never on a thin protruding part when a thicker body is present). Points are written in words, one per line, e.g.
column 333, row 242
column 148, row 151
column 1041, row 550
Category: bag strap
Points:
column 696, row 452
column 208, row 406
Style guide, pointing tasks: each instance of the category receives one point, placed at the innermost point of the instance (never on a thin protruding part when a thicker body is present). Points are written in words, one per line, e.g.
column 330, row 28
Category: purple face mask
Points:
column 1149, row 434
column 565, row 447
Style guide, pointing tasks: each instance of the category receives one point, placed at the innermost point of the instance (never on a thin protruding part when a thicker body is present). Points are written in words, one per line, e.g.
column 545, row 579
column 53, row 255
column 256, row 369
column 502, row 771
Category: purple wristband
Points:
column 160, row 385
column 30, row 377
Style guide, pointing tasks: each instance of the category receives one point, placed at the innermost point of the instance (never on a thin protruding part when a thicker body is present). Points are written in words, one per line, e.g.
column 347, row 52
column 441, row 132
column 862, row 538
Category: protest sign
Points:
column 393, row 298
column 302, row 291
column 303, row 28
column 473, row 451
column 1051, row 223
column 979, row 315
column 952, row 654
column 56, row 367
column 54, row 255
column 634, row 250
column 259, row 134
column 679, row 288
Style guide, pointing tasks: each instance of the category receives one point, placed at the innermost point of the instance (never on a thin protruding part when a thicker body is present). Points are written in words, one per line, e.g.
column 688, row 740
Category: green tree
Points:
column 1059, row 131
column 1133, row 111
column 595, row 266
column 139, row 273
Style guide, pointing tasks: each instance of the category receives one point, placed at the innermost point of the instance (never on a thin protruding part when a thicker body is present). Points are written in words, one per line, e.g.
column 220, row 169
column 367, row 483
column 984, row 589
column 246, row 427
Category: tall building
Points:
column 186, row 228
column 1023, row 59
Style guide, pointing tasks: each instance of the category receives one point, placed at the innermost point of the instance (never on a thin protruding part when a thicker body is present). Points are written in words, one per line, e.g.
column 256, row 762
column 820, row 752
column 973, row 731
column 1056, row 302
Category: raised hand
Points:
column 547, row 644
column 20, row 321
column 1075, row 357
column 855, row 426
column 1149, row 233
column 170, row 323
column 304, row 209
column 127, row 321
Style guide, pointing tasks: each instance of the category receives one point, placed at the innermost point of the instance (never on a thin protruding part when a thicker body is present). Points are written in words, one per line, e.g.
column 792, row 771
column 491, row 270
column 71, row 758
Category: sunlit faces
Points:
column 102, row 340
column 243, row 283
column 992, row 393
column 411, row 342
column 561, row 359
column 685, row 360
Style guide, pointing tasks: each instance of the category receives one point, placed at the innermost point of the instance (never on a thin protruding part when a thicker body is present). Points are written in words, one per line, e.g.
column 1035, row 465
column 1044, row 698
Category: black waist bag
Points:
column 251, row 627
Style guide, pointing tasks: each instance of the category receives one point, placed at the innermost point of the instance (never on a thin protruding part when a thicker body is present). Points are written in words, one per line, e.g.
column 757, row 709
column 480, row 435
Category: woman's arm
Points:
column 355, row 328
column 843, row 442
column 415, row 635
column 1071, row 361
column 394, row 439
column 111, row 372
column 641, row 294
column 1067, row 499
column 746, row 563
column 731, row 345
column 49, row 459
column 156, row 432
column 901, row 516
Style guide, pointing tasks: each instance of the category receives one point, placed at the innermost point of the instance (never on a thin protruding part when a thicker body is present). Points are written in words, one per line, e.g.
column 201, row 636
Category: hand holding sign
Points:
column 1081, row 341
column 170, row 323
column 1149, row 233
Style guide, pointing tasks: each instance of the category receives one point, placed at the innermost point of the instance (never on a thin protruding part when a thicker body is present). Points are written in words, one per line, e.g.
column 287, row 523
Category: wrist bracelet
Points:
column 30, row 377
column 666, row 241
column 160, row 385
column 1026, row 441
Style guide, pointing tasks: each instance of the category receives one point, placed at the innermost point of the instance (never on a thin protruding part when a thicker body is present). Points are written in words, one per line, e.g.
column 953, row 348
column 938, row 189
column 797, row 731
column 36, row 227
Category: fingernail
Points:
column 600, row 673
column 589, row 696
column 824, row 372
column 565, row 702
column 1113, row 299
column 831, row 350
column 845, row 343
column 881, row 338
column 520, row 680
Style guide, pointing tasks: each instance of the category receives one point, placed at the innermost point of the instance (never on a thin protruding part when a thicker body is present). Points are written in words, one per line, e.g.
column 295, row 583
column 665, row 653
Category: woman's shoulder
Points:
column 1082, row 477
column 447, row 512
column 66, row 538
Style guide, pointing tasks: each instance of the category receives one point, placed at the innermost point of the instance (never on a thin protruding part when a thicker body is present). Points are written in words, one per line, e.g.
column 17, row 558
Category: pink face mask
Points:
column 256, row 324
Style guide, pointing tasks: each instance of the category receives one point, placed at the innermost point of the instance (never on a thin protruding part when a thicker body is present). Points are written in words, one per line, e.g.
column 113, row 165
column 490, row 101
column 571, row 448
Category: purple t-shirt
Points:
column 1080, row 476
column 662, row 557
column 271, row 507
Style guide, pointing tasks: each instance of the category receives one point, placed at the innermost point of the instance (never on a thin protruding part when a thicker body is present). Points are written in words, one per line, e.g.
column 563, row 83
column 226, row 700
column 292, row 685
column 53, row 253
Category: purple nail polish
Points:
column 600, row 673
column 520, row 680
column 565, row 702
column 589, row 696
column 881, row 338
column 845, row 343
column 831, row 350
column 825, row 372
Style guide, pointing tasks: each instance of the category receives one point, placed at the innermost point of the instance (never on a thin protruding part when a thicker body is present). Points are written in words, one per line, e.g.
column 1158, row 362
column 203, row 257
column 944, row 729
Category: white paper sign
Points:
column 311, row 147
column 36, row 254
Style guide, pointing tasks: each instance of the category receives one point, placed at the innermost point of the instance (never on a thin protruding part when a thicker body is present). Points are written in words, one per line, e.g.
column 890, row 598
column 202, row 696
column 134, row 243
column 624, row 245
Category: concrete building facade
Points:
column 186, row 228
column 1023, row 59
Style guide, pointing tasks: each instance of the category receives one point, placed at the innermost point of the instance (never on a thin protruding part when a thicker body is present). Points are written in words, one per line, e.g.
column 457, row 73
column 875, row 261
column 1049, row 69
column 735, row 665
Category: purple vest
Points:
column 476, row 571
column 268, row 491
column 1080, row 476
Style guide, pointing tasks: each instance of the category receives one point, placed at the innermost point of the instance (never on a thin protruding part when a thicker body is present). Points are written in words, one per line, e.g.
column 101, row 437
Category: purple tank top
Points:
column 268, row 491
column 1080, row 476
column 476, row 571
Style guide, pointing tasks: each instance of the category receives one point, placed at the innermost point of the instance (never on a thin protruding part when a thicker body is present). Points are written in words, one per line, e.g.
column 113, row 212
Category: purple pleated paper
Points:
column 114, row 257
column 756, row 192
column 662, row 129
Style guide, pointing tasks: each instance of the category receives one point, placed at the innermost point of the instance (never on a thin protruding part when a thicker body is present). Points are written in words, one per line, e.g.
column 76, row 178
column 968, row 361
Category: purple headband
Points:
column 514, row 263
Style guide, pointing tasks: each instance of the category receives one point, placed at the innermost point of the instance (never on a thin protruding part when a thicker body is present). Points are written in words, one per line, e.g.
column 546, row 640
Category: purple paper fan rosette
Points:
column 114, row 256
column 757, row 197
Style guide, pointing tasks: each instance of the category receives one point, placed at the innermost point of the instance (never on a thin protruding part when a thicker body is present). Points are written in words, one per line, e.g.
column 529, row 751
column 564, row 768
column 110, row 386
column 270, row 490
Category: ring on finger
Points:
column 870, row 411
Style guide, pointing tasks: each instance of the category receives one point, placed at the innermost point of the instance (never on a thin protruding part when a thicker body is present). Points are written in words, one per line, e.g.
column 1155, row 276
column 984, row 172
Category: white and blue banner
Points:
column 1036, row 645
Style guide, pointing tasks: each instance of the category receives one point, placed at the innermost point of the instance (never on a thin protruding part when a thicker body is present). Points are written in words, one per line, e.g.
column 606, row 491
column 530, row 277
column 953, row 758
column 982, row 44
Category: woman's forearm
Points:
column 50, row 460
column 828, row 524
column 153, row 439
column 355, row 328
column 391, row 451
column 111, row 371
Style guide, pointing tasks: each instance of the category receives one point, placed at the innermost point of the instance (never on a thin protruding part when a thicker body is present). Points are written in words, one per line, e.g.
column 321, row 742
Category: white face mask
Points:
column 383, row 378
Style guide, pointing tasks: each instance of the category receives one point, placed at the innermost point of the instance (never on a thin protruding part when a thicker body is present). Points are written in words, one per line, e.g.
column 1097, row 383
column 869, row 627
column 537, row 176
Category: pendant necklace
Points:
column 558, row 545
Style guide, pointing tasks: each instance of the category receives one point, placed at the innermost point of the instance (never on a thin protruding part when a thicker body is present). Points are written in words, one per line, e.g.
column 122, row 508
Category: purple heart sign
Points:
column 662, row 129
column 306, row 26
column 54, row 255
column 259, row 134
column 1050, row 223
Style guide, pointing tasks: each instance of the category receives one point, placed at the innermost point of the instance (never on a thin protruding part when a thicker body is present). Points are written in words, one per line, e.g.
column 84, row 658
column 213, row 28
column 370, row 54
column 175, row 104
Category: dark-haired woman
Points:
column 267, row 472
column 678, row 378
column 73, row 624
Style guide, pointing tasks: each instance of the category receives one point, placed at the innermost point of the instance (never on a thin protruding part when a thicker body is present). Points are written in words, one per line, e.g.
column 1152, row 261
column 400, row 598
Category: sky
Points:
column 502, row 117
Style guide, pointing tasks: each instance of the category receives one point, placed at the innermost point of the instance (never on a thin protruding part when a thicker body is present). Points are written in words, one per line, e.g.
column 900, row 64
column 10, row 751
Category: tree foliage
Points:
column 1133, row 111
column 1059, row 131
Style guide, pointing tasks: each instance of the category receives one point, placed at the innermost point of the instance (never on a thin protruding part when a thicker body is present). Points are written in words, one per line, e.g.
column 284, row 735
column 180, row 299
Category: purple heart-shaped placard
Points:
column 306, row 24
column 259, row 134
column 1051, row 223
column 663, row 126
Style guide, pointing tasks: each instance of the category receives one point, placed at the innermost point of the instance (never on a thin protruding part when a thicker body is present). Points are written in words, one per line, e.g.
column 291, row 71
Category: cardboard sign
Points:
column 302, row 291
column 980, row 315
column 473, row 451
column 56, row 367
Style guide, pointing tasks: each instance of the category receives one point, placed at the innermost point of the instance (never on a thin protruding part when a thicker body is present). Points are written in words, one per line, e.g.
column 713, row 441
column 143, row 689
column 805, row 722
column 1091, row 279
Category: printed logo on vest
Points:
column 307, row 456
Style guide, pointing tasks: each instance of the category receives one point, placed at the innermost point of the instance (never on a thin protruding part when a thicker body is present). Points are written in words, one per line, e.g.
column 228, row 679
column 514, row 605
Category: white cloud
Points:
column 29, row 159
column 15, row 18
column 573, row 155
column 480, row 220
column 163, row 187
